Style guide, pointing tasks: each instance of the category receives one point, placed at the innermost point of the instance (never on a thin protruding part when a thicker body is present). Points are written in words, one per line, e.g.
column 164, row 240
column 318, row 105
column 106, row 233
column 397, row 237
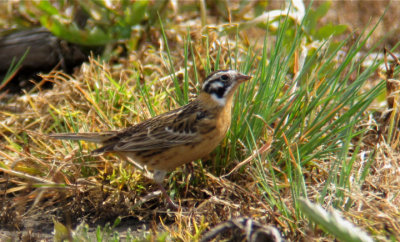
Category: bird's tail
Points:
column 91, row 137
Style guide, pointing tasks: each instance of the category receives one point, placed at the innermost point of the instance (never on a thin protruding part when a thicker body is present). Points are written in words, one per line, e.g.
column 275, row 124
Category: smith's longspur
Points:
column 169, row 140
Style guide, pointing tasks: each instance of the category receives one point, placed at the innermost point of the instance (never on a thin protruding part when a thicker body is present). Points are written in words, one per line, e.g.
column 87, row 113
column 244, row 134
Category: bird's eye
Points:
column 224, row 77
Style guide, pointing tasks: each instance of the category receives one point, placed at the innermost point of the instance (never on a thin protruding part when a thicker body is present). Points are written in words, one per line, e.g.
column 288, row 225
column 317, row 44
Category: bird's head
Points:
column 221, row 84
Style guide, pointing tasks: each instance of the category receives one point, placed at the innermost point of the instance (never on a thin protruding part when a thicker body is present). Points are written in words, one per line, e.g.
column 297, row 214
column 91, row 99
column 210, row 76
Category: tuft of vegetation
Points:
column 89, row 23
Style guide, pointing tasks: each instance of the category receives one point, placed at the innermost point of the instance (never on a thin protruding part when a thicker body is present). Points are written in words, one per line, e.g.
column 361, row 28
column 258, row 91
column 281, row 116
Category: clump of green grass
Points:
column 316, row 114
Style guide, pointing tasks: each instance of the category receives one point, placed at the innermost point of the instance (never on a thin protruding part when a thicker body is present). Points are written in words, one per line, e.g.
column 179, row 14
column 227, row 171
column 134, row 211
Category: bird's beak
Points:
column 243, row 78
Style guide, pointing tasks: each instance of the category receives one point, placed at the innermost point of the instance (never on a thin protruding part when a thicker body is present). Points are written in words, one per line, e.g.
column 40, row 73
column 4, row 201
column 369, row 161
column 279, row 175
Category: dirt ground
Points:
column 365, row 14
column 360, row 14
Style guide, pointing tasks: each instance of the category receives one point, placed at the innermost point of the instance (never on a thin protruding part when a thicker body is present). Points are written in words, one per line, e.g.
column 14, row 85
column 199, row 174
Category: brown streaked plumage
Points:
column 169, row 140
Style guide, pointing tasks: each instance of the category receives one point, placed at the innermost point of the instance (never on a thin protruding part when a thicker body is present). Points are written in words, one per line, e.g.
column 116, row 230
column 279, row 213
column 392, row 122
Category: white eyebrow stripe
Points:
column 216, row 85
column 217, row 76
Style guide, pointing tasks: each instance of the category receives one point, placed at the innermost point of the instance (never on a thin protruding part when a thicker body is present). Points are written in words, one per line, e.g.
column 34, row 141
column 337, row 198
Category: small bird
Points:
column 177, row 137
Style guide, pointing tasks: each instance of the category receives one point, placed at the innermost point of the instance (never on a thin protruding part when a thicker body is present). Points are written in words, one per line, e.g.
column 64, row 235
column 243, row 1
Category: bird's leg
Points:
column 158, row 177
column 169, row 200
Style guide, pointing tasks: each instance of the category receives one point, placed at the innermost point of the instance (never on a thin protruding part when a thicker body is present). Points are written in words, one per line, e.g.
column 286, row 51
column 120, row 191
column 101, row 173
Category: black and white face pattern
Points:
column 219, row 83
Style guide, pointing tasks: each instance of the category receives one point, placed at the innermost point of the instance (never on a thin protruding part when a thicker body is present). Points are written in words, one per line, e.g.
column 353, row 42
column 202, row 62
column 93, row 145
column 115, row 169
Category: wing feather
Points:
column 171, row 129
